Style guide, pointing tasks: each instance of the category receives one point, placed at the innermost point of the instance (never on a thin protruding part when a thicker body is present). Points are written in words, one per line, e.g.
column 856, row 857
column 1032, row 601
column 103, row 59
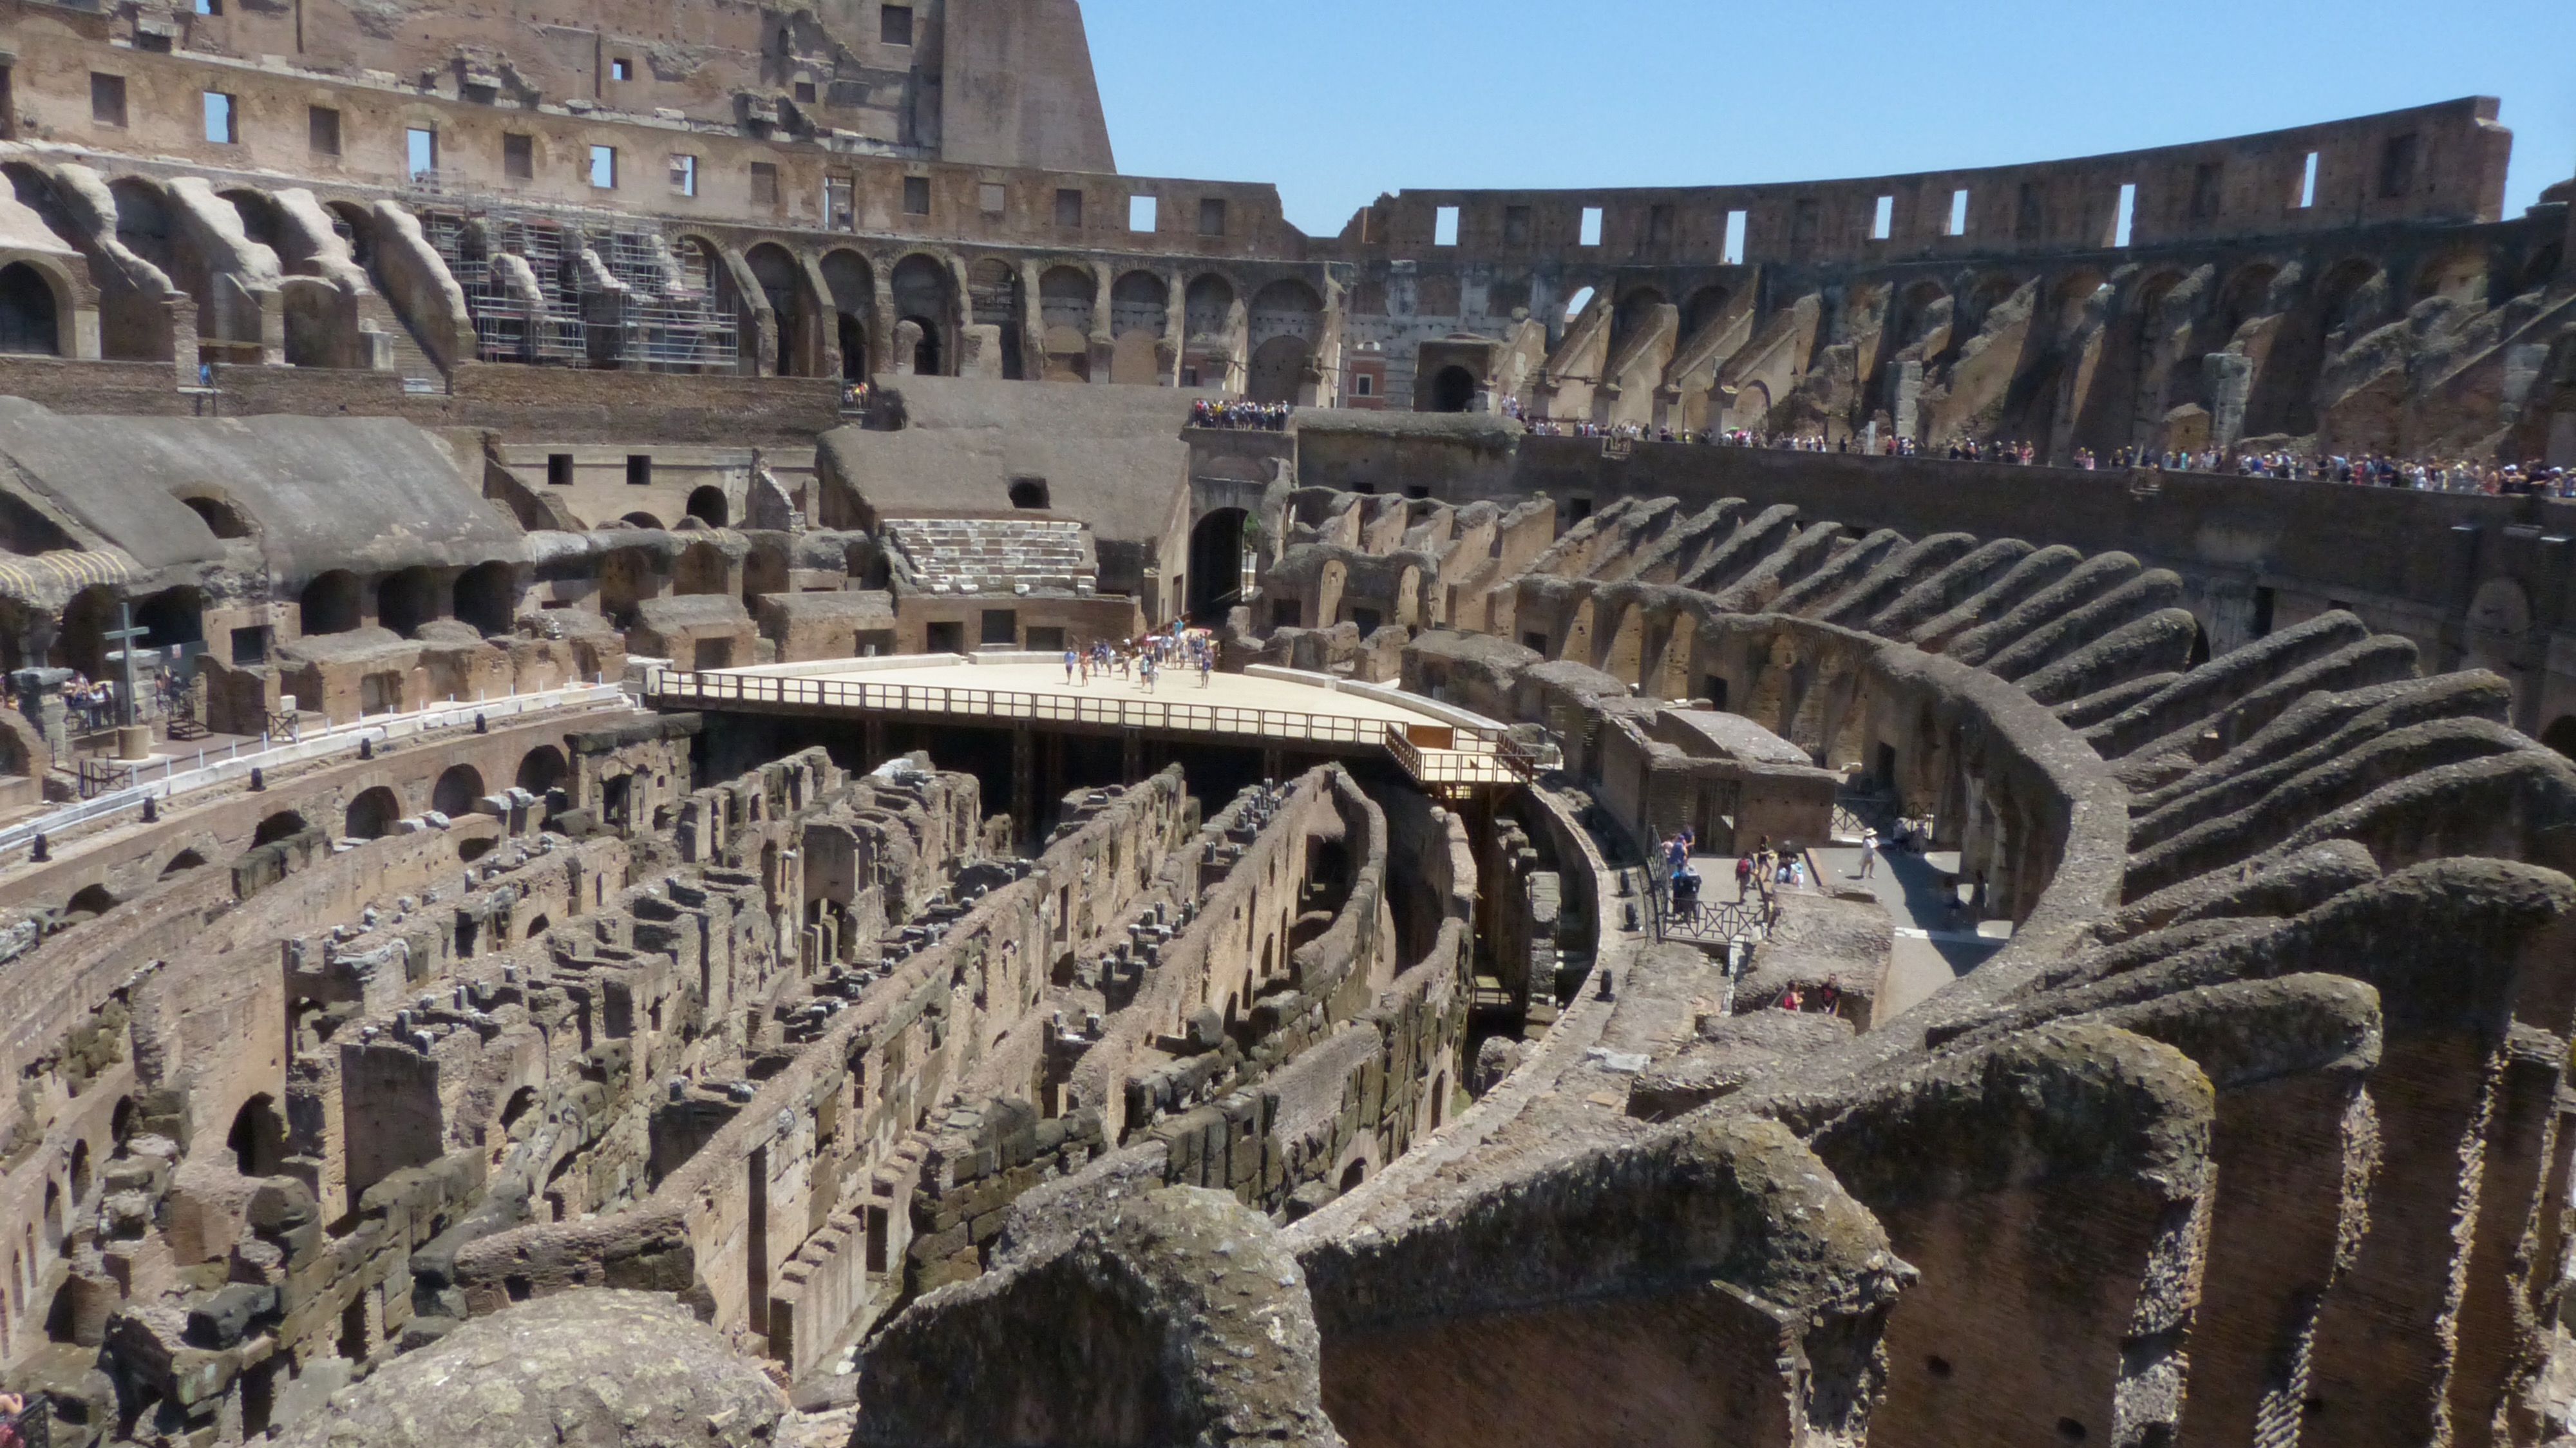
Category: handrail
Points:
column 678, row 687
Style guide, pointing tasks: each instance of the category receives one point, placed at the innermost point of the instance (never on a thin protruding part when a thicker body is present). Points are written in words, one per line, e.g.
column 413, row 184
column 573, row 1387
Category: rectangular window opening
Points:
column 1882, row 223
column 1068, row 207
column 420, row 150
column 1444, row 226
column 559, row 470
column 322, row 130
column 210, row 7
column 518, row 156
column 220, row 125
column 1591, row 234
column 1363, row 385
column 621, row 69
column 639, row 470
column 992, row 198
column 1142, row 213
column 1958, row 220
column 840, row 203
column 107, row 99
column 894, row 24
column 804, row 93
column 1734, row 253
column 684, row 175
column 2128, row 215
column 998, row 628
column 603, row 168
column 2308, row 182
column 916, row 196
column 764, row 183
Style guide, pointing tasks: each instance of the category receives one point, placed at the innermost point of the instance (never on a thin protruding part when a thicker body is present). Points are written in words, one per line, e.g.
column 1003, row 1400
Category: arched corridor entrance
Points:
column 1454, row 390
column 1216, row 565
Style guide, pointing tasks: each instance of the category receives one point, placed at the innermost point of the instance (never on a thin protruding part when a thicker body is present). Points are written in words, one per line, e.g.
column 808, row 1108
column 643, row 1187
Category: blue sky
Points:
column 1338, row 100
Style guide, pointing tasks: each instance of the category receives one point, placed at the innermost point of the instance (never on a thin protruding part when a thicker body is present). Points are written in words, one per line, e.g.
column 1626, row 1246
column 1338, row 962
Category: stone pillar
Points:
column 1908, row 395
column 2230, row 377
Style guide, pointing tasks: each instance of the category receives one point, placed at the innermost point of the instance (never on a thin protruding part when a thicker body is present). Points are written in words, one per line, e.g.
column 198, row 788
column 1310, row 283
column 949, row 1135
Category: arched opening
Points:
column 1453, row 390
column 781, row 286
column 542, row 769
column 457, row 790
column 852, row 283
column 172, row 618
column 87, row 903
column 2199, row 646
column 707, row 505
column 258, row 1138
column 53, row 1214
column 1283, row 313
column 281, row 825
column 1029, row 493
column 407, row 599
column 1208, row 307
column 220, row 517
column 1706, row 308
column 329, row 604
column 487, row 597
column 1636, row 310
column 1578, row 304
column 29, row 322
column 82, row 644
column 372, row 814
column 537, row 925
column 1353, row 1175
column 2561, row 736
column 355, row 227
column 1216, row 565
column 993, row 300
column 182, row 862
column 122, row 1124
column 640, row 519
column 925, row 295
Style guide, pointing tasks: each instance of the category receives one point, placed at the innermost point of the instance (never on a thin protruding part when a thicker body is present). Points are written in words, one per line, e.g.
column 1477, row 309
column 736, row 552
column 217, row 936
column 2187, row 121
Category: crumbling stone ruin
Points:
column 593, row 901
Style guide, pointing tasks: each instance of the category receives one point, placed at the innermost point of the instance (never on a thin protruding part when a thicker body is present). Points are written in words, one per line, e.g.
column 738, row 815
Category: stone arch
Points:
column 709, row 505
column 1286, row 308
column 1216, row 564
column 221, row 515
column 372, row 814
column 89, row 902
column 1208, row 307
column 82, row 1178
column 1453, row 389
column 486, row 596
column 2561, row 735
column 854, row 301
column 1636, row 308
column 2246, row 296
column 703, row 272
column 1577, row 304
column 640, row 519
column 329, row 604
column 258, row 1137
column 1140, row 301
column 284, row 824
column 1921, row 309
column 1751, row 409
column 356, row 226
column 993, row 300
column 174, row 618
column 406, row 599
column 925, row 294
column 1705, row 309
column 1067, row 307
column 183, row 862
column 457, row 790
column 31, row 312
column 542, row 768
column 2460, row 272
column 783, row 285
column 82, row 643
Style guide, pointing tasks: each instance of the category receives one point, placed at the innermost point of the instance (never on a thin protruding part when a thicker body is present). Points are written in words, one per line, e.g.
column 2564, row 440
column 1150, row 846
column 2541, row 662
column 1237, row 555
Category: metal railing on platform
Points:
column 1706, row 921
column 1474, row 755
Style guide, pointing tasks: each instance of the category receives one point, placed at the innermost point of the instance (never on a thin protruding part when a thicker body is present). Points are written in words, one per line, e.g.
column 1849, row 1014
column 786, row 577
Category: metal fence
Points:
column 1707, row 921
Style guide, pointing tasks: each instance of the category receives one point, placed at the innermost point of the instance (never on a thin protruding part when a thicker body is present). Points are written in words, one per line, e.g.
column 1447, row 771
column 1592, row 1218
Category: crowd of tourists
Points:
column 1142, row 660
column 1241, row 415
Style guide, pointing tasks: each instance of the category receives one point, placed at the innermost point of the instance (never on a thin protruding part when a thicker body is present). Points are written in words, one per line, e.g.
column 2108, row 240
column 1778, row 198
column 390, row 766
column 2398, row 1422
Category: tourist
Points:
column 1071, row 661
column 1743, row 876
column 1868, row 854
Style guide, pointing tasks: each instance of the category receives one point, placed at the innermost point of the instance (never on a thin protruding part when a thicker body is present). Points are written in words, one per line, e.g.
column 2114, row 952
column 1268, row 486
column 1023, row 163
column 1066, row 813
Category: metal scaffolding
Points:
column 574, row 286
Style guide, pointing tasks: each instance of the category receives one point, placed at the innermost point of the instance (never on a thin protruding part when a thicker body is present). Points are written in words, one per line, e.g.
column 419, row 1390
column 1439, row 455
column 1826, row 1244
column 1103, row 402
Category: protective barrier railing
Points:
column 1710, row 922
column 675, row 687
column 167, row 777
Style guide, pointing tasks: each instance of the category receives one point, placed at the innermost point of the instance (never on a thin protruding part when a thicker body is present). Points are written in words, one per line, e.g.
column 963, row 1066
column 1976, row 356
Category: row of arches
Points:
column 484, row 596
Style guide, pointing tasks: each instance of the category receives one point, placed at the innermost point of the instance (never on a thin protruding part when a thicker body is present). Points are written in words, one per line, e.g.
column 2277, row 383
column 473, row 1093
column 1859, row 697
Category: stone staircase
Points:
column 993, row 555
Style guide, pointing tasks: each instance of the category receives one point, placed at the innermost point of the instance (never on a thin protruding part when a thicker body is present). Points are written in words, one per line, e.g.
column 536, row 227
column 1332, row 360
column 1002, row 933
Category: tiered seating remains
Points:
column 996, row 555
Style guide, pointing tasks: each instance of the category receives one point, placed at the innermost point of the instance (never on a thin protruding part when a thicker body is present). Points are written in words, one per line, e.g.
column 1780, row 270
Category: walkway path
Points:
column 1934, row 944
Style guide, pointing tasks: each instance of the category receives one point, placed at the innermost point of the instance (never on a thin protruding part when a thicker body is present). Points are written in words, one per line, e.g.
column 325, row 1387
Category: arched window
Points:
column 28, row 321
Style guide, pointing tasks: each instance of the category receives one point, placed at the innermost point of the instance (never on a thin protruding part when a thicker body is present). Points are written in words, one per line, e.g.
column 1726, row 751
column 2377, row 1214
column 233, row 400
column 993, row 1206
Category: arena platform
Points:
column 1440, row 746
